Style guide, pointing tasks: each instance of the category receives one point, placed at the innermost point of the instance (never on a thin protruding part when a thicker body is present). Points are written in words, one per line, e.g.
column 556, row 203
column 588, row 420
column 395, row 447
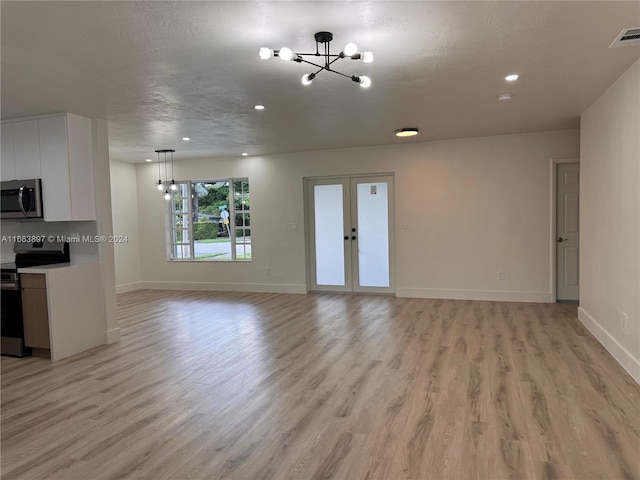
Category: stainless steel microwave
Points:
column 21, row 199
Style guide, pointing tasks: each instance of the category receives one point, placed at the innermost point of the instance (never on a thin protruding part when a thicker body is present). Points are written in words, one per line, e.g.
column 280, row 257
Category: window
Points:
column 210, row 220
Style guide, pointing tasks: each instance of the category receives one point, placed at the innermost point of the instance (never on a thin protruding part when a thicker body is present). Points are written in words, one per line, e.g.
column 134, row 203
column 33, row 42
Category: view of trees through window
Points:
column 211, row 220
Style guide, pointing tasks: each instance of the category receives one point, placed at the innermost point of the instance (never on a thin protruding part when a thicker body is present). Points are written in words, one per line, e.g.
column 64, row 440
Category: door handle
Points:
column 560, row 239
column 21, row 199
column 353, row 237
column 353, row 229
column 346, row 237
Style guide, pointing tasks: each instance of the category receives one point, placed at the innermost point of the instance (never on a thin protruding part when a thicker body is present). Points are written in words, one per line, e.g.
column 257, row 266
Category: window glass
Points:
column 209, row 218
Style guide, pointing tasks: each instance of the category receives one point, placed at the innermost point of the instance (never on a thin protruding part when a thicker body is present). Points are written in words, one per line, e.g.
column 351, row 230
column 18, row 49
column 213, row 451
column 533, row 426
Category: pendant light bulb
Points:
column 167, row 195
column 173, row 185
column 350, row 49
column 159, row 185
column 367, row 57
column 285, row 54
column 365, row 82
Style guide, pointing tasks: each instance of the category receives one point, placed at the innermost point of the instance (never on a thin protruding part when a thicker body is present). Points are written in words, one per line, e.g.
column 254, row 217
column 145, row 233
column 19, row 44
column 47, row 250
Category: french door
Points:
column 350, row 241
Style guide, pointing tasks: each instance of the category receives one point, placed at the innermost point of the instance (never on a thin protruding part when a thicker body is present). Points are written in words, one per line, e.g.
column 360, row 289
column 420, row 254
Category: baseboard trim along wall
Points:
column 490, row 295
column 224, row 287
column 112, row 335
column 624, row 358
column 128, row 287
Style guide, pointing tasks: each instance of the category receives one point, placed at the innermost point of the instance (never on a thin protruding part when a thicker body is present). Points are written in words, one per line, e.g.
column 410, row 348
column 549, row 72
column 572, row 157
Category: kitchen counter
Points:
column 44, row 268
column 75, row 305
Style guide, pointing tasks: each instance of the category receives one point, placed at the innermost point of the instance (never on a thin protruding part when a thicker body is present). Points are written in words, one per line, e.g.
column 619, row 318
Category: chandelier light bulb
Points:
column 285, row 54
column 367, row 57
column 350, row 49
column 365, row 82
column 265, row 53
column 166, row 195
column 173, row 185
column 307, row 78
column 159, row 185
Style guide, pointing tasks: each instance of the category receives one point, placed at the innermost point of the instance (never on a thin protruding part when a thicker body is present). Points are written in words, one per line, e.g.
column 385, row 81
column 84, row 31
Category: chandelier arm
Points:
column 335, row 71
column 335, row 59
column 326, row 55
column 314, row 64
column 315, row 54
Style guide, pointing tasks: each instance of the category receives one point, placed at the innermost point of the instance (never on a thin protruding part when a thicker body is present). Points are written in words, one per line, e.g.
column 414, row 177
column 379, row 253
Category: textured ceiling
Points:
column 159, row 71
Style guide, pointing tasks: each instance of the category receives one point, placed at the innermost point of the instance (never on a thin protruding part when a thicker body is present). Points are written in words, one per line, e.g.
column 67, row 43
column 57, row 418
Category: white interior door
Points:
column 350, row 241
column 568, row 231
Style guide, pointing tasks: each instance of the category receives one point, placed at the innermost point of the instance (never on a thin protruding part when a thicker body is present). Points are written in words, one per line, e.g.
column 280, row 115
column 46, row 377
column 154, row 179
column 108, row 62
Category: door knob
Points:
column 353, row 229
column 560, row 239
column 346, row 237
column 353, row 237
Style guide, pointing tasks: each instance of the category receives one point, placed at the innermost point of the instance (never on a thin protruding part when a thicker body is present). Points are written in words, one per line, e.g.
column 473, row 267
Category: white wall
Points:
column 124, row 201
column 610, row 219
column 473, row 207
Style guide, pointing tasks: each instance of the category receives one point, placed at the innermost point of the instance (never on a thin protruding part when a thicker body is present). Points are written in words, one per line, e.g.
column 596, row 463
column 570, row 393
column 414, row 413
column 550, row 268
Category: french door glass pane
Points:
column 329, row 221
column 373, row 234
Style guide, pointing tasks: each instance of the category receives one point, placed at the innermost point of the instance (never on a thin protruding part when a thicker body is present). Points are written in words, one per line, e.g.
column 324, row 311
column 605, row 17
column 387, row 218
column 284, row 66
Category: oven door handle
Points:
column 10, row 286
column 20, row 199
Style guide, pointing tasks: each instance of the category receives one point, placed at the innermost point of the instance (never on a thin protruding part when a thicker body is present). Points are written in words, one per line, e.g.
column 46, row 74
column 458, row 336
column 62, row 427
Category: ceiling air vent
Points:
column 628, row 36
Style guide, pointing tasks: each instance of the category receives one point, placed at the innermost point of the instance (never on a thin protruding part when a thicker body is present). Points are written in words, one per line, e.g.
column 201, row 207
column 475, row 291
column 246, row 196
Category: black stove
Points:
column 27, row 255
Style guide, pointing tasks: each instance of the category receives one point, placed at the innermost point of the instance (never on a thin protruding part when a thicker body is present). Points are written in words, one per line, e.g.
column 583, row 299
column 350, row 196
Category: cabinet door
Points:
column 55, row 169
column 8, row 165
column 35, row 313
column 26, row 150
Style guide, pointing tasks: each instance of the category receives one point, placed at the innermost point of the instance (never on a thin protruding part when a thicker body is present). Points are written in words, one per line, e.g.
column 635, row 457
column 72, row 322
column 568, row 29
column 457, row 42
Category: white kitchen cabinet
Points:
column 26, row 149
column 8, row 165
column 66, row 155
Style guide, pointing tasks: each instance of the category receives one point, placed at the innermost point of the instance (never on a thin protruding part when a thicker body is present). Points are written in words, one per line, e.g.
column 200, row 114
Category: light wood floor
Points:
column 262, row 386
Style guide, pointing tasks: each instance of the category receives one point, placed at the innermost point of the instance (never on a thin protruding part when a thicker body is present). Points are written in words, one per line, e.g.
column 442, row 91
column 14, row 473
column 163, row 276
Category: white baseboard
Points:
column 128, row 287
column 624, row 358
column 490, row 295
column 225, row 287
column 113, row 335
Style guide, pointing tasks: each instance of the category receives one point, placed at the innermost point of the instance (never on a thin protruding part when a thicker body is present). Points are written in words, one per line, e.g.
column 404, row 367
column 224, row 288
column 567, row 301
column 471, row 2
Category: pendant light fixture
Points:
column 350, row 51
column 166, row 185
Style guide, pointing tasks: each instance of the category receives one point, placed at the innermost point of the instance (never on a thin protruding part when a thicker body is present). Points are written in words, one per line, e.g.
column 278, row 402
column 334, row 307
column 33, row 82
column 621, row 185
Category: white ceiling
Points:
column 159, row 71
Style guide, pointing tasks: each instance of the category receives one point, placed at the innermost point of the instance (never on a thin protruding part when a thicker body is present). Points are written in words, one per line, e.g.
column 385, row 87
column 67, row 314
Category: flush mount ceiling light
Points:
column 350, row 51
column 505, row 97
column 406, row 132
column 511, row 78
column 166, row 185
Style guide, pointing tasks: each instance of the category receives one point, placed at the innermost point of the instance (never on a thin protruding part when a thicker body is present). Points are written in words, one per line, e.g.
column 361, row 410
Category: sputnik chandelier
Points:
column 350, row 51
column 166, row 185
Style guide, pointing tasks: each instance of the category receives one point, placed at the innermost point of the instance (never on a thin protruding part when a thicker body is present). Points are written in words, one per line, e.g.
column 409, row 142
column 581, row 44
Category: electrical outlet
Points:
column 500, row 275
column 624, row 321
column 292, row 227
column 267, row 272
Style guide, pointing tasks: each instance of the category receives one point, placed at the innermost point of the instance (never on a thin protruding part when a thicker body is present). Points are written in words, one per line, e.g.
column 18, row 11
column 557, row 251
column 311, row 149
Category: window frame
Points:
column 171, row 214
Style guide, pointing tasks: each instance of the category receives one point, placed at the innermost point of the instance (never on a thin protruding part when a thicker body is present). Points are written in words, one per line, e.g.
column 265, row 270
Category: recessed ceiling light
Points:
column 244, row 154
column 406, row 132
column 148, row 160
column 504, row 97
column 186, row 139
column 511, row 78
column 259, row 107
